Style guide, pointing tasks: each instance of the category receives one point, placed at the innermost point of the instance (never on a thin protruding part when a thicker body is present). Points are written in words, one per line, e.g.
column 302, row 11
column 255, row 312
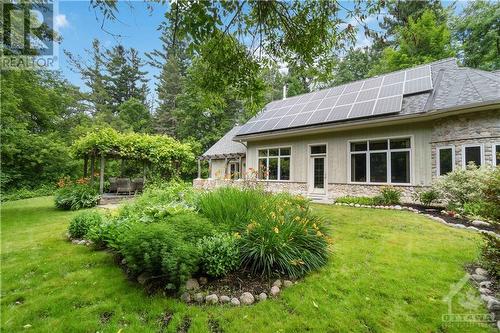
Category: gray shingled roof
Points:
column 226, row 146
column 453, row 87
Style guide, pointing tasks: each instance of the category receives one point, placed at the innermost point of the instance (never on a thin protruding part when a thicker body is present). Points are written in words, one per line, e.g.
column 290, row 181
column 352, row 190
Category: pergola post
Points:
column 92, row 165
column 101, row 176
column 225, row 168
column 199, row 169
column 240, row 169
column 85, row 162
column 210, row 168
column 122, row 168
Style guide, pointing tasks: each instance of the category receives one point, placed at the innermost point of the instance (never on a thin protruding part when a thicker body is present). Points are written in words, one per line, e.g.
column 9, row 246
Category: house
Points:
column 402, row 129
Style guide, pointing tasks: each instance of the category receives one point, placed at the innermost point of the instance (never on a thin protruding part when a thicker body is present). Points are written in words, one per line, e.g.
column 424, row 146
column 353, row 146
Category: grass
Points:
column 388, row 272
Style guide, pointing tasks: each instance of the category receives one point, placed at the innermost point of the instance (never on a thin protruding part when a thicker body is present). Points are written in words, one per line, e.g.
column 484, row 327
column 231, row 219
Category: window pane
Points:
column 378, row 145
column 273, row 152
column 400, row 167
column 358, row 146
column 445, row 161
column 263, row 153
column 285, row 168
column 358, row 167
column 473, row 154
column 378, row 167
column 284, row 151
column 273, row 168
column 496, row 157
column 400, row 143
column 318, row 149
column 319, row 172
column 262, row 168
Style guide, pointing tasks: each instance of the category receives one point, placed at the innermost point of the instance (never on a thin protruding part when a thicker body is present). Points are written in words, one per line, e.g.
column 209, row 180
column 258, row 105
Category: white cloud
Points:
column 60, row 21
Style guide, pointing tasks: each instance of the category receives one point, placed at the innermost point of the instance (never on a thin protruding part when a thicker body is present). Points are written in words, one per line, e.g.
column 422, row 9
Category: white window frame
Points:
column 279, row 162
column 481, row 151
column 388, row 154
column 494, row 153
column 438, row 161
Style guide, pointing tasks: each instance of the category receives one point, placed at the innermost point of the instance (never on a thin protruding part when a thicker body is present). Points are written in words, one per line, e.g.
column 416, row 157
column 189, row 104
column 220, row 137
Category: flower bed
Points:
column 172, row 235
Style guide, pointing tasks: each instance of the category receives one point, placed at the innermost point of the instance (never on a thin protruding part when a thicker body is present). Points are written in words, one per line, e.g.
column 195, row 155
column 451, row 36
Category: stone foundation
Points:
column 300, row 188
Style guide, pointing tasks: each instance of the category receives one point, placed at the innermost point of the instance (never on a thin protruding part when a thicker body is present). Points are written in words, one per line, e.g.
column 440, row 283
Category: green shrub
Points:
column 77, row 196
column 107, row 234
column 158, row 251
column 355, row 200
column 490, row 255
column 426, row 197
column 82, row 223
column 287, row 241
column 220, row 254
column 231, row 207
column 491, row 195
column 390, row 195
column 191, row 226
column 26, row 193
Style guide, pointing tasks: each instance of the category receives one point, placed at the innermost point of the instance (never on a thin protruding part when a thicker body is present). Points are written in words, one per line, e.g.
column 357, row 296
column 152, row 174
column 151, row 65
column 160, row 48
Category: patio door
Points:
column 317, row 169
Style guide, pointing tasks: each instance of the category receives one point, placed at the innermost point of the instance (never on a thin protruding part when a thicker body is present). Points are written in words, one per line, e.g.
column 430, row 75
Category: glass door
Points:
column 317, row 175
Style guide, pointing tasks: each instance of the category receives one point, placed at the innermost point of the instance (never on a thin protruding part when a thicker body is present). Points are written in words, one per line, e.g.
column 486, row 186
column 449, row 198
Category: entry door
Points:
column 319, row 175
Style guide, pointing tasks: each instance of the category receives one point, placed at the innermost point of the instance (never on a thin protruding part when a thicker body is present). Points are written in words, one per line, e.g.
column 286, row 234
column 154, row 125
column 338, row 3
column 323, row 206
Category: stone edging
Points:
column 246, row 298
column 416, row 211
column 483, row 283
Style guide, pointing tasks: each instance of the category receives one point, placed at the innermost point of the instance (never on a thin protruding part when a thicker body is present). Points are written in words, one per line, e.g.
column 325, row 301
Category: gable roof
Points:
column 452, row 87
column 226, row 147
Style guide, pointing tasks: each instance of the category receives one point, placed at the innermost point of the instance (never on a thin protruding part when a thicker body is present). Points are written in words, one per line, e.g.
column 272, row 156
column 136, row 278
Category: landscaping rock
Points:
column 485, row 291
column 225, row 299
column 479, row 278
column 142, row 278
column 212, row 299
column 357, row 205
column 277, row 283
column 481, row 271
column 235, row 301
column 185, row 297
column 287, row 283
column 485, row 284
column 262, row 296
column 192, row 284
column 275, row 290
column 398, row 207
column 493, row 305
column 487, row 298
column 198, row 297
column 247, row 298
column 479, row 223
column 124, row 261
column 202, row 280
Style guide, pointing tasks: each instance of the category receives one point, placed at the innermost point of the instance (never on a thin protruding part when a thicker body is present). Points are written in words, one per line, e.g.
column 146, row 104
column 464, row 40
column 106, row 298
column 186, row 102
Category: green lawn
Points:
column 388, row 272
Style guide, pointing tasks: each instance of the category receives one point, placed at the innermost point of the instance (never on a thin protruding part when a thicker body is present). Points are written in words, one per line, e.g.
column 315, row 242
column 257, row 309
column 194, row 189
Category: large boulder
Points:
column 247, row 298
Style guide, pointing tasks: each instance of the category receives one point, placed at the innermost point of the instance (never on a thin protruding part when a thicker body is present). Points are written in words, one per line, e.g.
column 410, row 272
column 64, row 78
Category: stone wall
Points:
column 368, row 190
column 271, row 186
column 471, row 128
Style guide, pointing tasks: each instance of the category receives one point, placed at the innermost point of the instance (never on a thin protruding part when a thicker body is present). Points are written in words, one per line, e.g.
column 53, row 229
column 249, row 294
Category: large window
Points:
column 445, row 160
column 381, row 161
column 472, row 154
column 495, row 150
column 274, row 163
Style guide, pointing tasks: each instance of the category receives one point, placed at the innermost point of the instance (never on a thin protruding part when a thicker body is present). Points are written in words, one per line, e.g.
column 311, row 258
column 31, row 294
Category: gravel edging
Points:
column 416, row 211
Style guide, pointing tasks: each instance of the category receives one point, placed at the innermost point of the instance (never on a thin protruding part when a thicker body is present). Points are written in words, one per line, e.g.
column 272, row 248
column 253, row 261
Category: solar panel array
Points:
column 366, row 98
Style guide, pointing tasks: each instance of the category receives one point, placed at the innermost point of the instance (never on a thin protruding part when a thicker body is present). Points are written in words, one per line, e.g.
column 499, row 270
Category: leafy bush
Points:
column 159, row 251
column 286, row 239
column 82, row 223
column 356, row 200
column 107, row 234
column 77, row 196
column 191, row 227
column 390, row 195
column 426, row 197
column 491, row 195
column 490, row 255
column 220, row 254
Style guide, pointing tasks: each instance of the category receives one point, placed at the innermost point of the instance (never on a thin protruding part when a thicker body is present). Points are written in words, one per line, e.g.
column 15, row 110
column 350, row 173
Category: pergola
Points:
column 226, row 157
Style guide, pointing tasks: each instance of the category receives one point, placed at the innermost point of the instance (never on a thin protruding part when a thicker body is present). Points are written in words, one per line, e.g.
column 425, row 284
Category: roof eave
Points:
column 422, row 116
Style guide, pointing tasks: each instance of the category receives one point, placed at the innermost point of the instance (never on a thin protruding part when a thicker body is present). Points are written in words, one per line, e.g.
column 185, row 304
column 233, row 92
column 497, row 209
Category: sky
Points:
column 79, row 24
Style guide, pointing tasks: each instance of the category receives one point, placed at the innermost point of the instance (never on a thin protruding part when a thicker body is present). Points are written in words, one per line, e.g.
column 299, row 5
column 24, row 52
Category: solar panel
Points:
column 371, row 97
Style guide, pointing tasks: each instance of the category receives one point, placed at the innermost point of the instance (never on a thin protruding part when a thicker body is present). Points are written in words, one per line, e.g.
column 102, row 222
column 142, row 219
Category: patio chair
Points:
column 138, row 184
column 123, row 185
column 112, row 185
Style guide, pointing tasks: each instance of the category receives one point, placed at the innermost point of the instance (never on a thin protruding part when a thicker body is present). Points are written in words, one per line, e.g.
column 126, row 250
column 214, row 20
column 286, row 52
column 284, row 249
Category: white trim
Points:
column 494, row 153
column 310, row 168
column 388, row 156
column 278, row 175
column 481, row 152
column 438, row 166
